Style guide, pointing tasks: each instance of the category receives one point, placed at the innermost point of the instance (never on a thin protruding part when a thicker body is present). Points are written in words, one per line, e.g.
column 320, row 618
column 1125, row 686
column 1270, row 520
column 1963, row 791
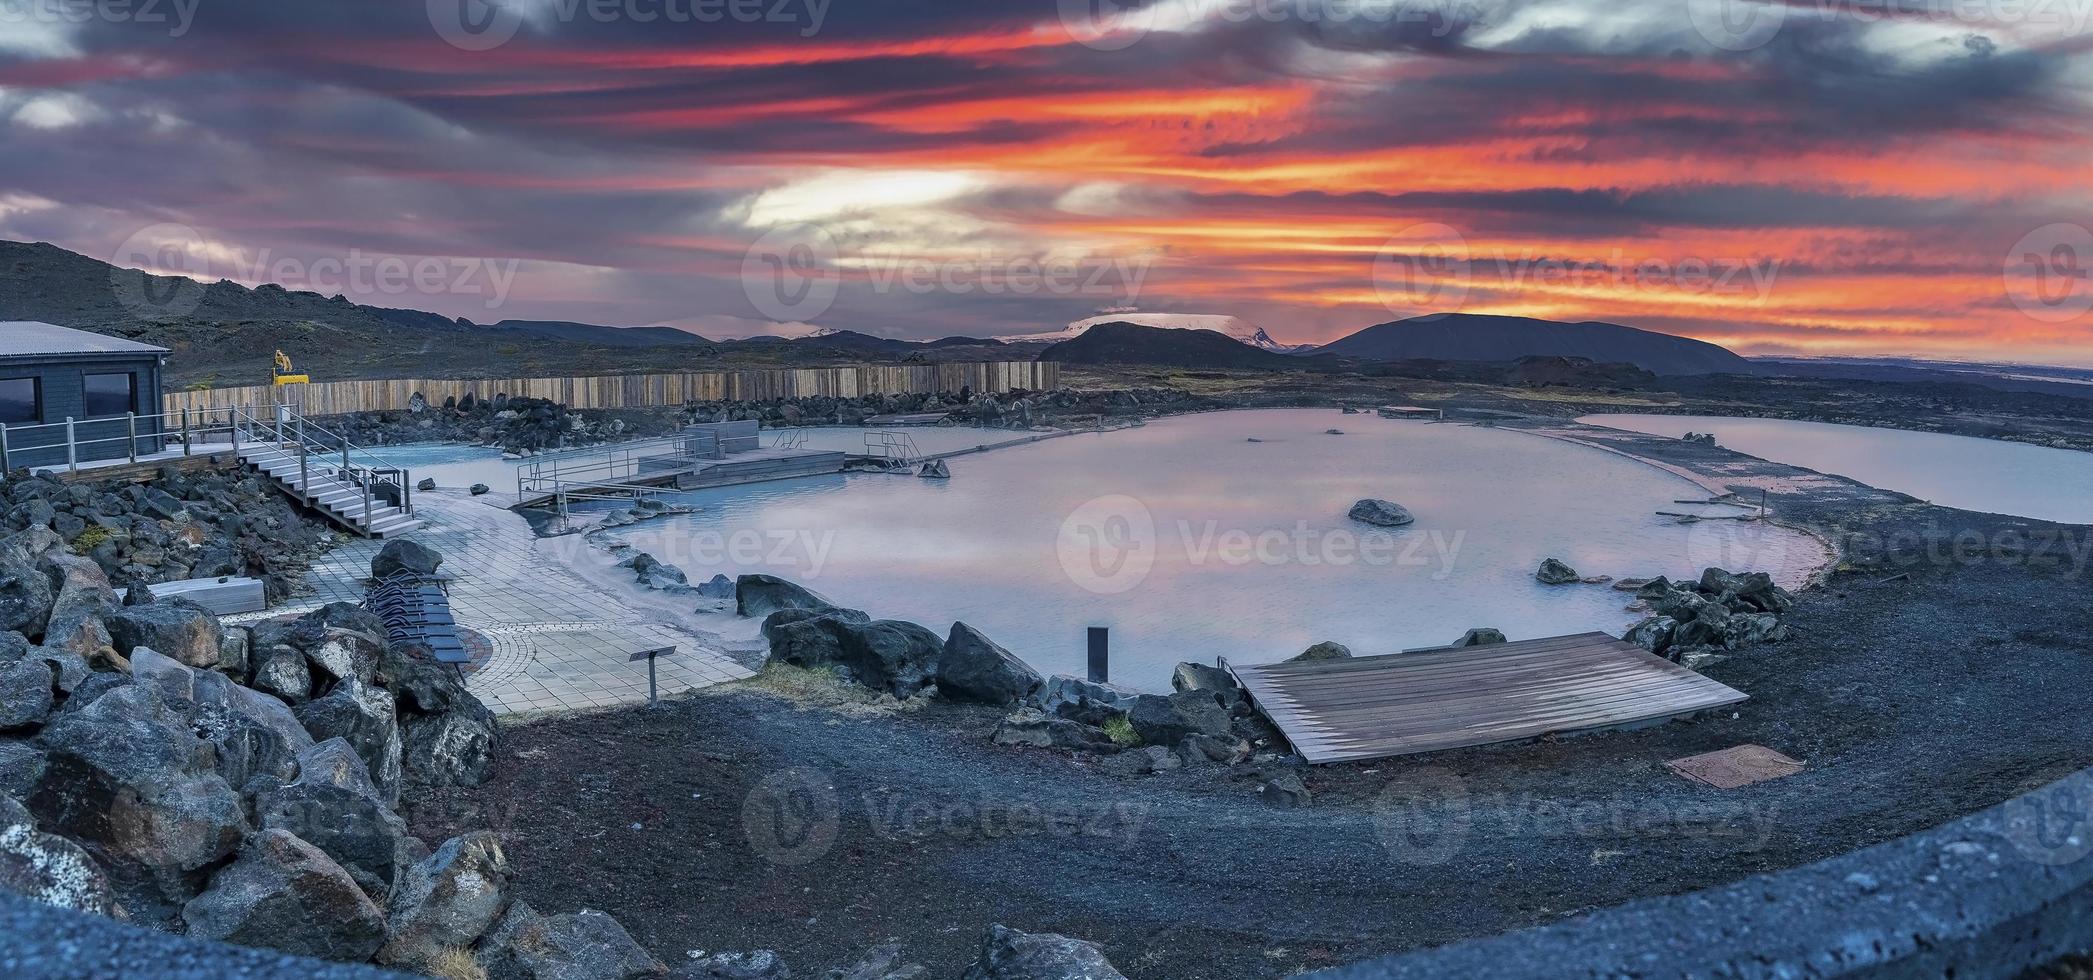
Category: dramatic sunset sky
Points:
column 1809, row 179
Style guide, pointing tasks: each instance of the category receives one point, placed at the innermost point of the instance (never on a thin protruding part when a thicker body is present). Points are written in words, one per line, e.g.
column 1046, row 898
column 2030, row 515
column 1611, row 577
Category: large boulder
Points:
column 401, row 555
column 448, row 901
column 888, row 655
column 96, row 684
column 26, row 697
column 447, row 735
column 1169, row 720
column 1031, row 726
column 80, row 613
column 763, row 964
column 21, row 766
column 345, row 654
column 48, row 868
column 175, row 628
column 454, row 748
column 586, row 945
column 1326, row 650
column 235, row 653
column 1380, row 513
column 419, row 682
column 1086, row 701
column 1554, row 571
column 283, row 672
column 1012, row 955
column 364, row 716
column 1190, row 677
column 1653, row 633
column 761, row 595
column 131, row 780
column 252, row 734
column 333, row 806
column 26, row 593
column 718, row 587
column 975, row 668
column 1480, row 636
column 285, row 894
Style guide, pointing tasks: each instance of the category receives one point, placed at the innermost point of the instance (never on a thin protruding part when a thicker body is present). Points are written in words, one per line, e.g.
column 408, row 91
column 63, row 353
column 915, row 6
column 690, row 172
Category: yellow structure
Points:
column 284, row 372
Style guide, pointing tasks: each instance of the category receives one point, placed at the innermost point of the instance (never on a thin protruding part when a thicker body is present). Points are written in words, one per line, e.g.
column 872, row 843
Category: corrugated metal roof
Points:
column 20, row 337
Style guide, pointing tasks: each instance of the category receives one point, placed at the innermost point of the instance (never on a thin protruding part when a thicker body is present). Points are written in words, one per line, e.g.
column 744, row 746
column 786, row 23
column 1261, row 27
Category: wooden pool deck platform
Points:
column 1405, row 703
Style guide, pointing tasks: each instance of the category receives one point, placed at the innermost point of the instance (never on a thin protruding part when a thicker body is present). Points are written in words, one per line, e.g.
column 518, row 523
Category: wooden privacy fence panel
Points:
column 646, row 390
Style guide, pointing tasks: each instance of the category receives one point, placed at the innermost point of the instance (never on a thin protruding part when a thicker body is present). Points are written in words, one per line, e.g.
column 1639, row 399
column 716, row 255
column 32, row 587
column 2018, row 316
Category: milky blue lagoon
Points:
column 1987, row 475
column 1193, row 542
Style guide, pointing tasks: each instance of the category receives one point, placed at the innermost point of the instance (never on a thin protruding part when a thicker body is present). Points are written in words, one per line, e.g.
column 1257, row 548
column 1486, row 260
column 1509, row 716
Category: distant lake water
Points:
column 1986, row 475
column 1225, row 535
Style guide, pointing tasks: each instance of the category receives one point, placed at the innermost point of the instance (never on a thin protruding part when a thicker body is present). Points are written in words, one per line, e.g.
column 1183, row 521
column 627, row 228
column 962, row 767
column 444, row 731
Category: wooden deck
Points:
column 1405, row 703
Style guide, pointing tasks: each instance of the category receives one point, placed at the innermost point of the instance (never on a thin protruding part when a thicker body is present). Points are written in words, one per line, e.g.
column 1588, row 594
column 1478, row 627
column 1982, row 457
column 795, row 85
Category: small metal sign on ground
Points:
column 650, row 656
column 1730, row 768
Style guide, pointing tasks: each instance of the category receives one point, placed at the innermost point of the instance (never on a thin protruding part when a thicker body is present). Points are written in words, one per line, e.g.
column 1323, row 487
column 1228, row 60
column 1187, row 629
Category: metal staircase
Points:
column 323, row 471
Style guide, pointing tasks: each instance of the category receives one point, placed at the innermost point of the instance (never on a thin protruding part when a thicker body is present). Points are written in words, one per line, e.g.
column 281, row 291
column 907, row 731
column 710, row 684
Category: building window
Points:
column 111, row 394
column 20, row 402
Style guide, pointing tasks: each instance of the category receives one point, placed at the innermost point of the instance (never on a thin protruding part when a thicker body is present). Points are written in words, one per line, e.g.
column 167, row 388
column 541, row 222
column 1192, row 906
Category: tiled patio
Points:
column 560, row 643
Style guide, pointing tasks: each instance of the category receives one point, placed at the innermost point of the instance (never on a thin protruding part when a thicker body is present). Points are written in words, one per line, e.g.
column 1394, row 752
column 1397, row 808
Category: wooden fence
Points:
column 646, row 390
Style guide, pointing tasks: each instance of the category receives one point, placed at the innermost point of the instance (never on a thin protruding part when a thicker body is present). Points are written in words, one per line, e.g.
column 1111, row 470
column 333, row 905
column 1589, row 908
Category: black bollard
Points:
column 1100, row 655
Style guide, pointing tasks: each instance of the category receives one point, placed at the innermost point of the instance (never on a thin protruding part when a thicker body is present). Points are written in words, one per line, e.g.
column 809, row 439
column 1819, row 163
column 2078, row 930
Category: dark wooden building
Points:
column 70, row 395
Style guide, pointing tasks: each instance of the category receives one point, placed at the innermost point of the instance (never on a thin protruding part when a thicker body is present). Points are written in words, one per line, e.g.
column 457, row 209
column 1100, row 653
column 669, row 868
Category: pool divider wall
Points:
column 644, row 390
column 1991, row 895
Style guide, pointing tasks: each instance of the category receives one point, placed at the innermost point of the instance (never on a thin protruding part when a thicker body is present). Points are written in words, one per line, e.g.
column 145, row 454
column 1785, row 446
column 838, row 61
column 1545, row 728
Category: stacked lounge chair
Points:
column 416, row 610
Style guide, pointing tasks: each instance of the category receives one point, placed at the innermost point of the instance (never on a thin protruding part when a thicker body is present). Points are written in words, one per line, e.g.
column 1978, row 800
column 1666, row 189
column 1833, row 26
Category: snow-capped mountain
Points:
column 1229, row 326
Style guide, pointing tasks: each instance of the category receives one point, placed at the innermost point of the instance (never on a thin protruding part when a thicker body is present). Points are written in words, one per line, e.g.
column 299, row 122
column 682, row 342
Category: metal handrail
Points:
column 896, row 447
column 364, row 476
column 163, row 429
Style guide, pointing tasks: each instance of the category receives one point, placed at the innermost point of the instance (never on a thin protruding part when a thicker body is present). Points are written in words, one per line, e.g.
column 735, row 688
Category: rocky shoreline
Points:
column 179, row 525
column 242, row 784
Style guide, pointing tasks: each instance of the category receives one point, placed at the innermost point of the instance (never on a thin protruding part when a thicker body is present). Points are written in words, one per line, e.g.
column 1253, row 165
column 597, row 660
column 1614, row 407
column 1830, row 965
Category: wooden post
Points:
column 185, row 430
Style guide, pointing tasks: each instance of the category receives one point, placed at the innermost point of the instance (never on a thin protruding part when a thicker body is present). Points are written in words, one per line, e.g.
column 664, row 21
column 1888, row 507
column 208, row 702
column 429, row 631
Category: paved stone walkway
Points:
column 560, row 643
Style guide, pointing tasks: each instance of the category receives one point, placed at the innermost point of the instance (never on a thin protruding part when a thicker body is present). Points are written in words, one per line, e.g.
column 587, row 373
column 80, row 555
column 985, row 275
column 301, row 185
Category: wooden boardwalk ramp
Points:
column 1403, row 703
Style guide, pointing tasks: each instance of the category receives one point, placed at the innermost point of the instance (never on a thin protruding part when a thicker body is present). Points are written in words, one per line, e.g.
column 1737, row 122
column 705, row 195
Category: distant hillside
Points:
column 590, row 333
column 1483, row 337
column 1228, row 326
column 1133, row 343
column 223, row 334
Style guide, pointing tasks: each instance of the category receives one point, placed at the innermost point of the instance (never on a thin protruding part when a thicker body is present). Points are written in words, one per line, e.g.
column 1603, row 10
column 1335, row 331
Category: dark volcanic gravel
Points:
column 1922, row 683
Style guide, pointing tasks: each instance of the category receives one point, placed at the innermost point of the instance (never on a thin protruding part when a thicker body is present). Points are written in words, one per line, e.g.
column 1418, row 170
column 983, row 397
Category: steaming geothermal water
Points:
column 1986, row 475
column 1225, row 535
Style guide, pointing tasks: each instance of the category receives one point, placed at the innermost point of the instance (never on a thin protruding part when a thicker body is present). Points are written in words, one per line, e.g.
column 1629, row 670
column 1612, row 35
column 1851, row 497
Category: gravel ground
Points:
column 1922, row 683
